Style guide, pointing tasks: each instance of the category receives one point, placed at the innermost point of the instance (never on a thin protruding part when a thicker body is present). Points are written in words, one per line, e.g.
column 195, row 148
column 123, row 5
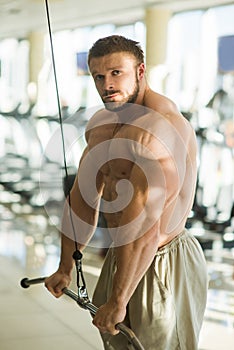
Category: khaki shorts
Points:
column 167, row 308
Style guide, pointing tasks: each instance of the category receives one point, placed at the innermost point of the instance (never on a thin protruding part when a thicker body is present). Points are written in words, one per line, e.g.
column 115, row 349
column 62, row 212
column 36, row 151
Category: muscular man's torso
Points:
column 136, row 141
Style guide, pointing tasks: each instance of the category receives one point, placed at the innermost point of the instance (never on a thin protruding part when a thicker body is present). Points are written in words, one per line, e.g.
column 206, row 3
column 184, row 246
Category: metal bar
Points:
column 86, row 304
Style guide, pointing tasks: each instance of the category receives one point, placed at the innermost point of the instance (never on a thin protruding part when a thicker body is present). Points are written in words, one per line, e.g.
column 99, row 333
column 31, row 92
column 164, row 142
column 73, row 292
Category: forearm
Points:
column 77, row 227
column 66, row 260
column 133, row 260
column 136, row 239
column 63, row 276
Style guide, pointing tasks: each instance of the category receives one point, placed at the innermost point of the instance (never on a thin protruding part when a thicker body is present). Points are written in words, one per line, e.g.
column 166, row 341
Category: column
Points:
column 36, row 60
column 156, row 20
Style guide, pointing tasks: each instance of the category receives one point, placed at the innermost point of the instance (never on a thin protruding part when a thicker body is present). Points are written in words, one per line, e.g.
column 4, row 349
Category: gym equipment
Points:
column 83, row 301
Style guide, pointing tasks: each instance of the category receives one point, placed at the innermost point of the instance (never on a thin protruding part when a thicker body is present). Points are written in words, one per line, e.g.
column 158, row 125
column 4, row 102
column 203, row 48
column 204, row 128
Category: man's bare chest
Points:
column 110, row 149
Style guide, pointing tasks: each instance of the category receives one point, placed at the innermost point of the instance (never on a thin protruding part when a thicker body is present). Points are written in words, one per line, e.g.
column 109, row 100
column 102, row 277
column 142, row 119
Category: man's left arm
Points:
column 136, row 243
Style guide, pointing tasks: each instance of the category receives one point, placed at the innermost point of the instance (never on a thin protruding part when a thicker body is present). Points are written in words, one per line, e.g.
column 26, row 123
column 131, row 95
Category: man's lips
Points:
column 111, row 96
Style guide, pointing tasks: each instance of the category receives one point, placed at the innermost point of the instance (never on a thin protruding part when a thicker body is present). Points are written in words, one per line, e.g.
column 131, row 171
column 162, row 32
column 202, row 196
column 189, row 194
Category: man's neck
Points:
column 143, row 91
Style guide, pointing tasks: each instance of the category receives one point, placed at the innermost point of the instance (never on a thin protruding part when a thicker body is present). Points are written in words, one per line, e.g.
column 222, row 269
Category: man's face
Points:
column 116, row 79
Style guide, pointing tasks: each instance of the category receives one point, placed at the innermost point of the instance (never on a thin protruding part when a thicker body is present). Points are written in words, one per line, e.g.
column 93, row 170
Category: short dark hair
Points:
column 116, row 43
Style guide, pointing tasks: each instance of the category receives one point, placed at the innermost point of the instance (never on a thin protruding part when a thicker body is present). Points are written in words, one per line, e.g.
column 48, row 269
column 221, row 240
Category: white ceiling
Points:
column 18, row 17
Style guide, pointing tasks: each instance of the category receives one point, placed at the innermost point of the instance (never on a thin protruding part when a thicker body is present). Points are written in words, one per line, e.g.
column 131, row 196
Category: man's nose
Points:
column 109, row 84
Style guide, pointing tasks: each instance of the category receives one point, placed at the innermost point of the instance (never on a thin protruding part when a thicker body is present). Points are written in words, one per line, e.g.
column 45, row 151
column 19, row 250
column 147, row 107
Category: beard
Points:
column 119, row 106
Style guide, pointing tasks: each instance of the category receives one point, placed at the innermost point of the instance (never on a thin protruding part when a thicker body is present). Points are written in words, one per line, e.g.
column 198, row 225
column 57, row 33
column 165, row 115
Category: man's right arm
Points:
column 78, row 223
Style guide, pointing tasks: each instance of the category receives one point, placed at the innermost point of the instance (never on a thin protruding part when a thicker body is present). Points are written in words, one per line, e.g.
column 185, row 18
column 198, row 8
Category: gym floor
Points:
column 33, row 319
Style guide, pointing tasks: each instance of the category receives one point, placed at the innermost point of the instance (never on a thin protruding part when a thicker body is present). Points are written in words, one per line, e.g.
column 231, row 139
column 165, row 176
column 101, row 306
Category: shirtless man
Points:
column 140, row 164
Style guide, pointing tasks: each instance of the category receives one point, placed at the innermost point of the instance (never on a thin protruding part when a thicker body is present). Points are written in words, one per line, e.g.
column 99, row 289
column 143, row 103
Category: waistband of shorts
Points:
column 173, row 244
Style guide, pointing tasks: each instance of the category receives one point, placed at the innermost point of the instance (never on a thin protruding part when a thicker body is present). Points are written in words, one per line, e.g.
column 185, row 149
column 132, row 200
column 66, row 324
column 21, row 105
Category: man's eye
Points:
column 116, row 72
column 98, row 77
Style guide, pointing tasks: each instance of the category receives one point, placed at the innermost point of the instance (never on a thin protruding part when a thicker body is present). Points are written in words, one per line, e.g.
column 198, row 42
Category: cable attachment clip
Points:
column 83, row 298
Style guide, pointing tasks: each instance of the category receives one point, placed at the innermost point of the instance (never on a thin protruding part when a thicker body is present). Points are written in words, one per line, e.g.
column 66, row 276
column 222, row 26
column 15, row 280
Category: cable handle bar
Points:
column 86, row 304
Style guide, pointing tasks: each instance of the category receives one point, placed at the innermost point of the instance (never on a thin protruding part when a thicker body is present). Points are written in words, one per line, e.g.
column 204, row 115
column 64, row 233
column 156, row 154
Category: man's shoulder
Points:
column 100, row 118
column 160, row 103
column 165, row 111
column 100, row 127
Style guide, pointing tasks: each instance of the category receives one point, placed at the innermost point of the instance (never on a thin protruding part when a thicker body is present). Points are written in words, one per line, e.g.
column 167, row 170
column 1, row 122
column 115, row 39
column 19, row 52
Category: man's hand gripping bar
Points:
column 85, row 303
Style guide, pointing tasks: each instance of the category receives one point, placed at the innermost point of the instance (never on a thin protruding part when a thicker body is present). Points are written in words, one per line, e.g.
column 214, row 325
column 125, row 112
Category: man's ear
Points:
column 141, row 71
